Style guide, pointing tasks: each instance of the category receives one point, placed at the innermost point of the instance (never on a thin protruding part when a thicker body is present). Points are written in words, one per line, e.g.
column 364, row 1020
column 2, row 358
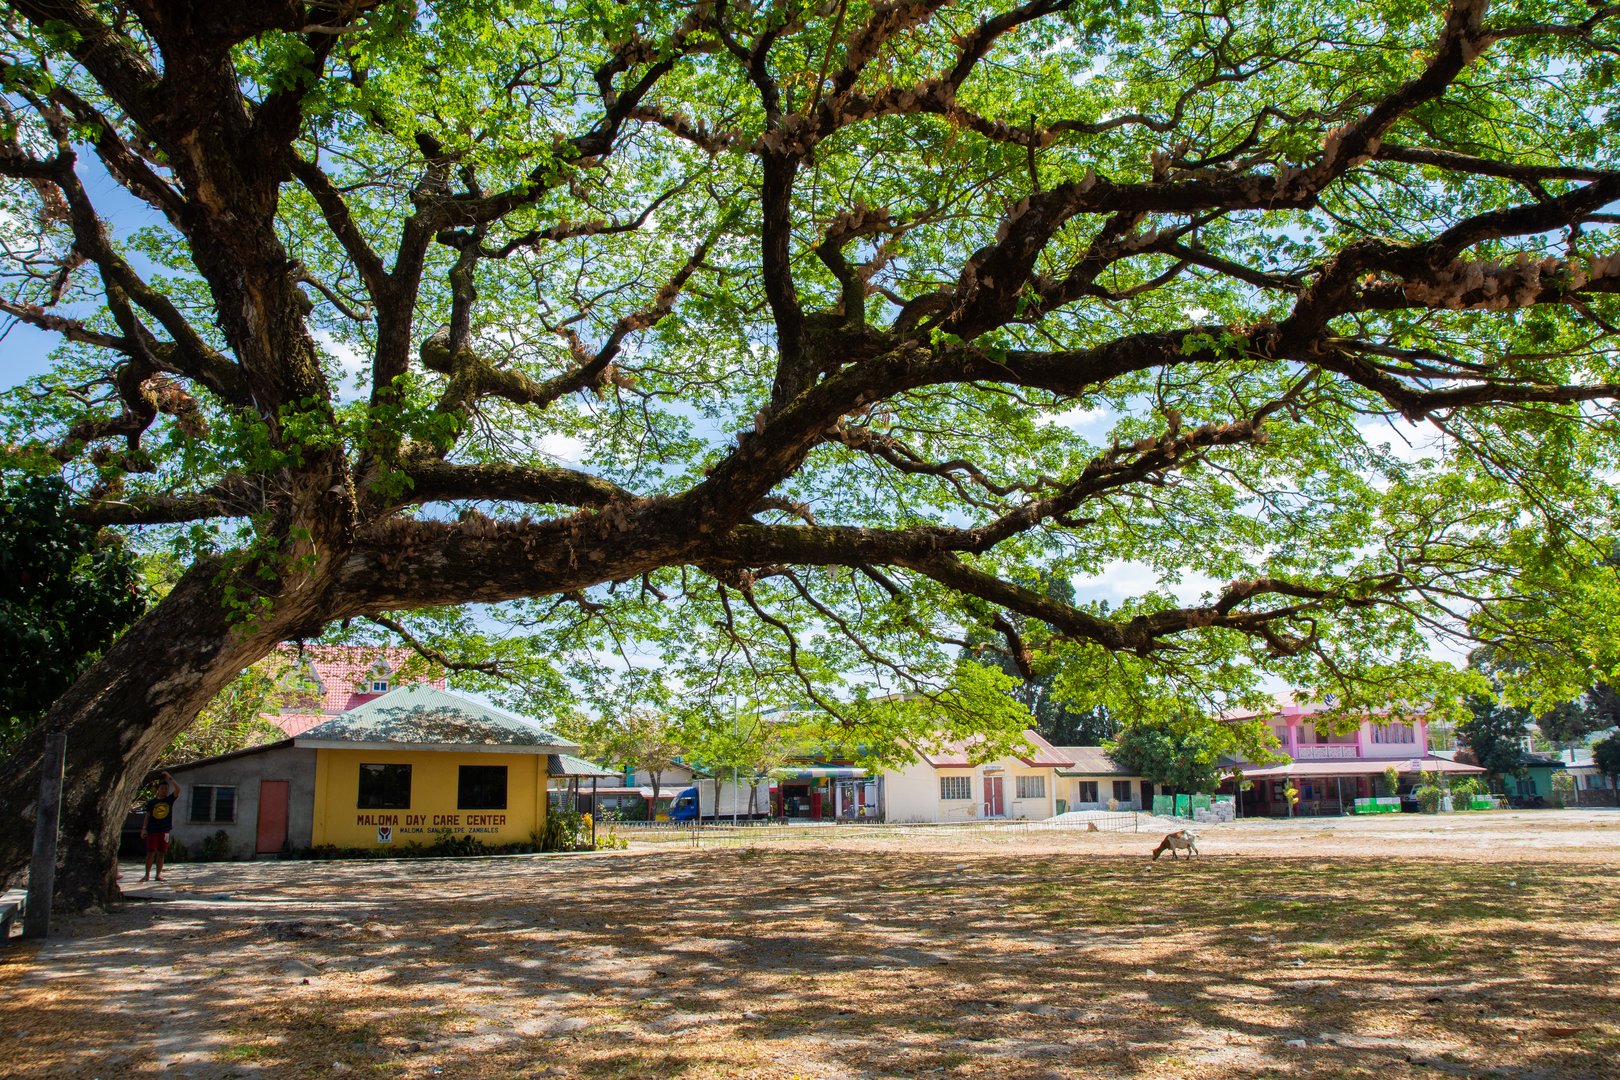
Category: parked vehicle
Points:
column 699, row 800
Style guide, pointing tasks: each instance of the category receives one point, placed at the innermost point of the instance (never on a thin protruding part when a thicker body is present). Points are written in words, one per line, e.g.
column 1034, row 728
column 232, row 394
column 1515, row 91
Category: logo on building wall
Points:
column 385, row 834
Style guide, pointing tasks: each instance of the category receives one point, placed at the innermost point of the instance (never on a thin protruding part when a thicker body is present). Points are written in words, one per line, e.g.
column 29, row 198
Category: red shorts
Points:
column 157, row 841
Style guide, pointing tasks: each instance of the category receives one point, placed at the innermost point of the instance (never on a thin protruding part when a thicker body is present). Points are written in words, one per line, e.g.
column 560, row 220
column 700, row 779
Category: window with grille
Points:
column 385, row 787
column 482, row 787
column 956, row 787
column 213, row 803
column 1031, row 787
column 1393, row 733
column 1088, row 791
column 1122, row 790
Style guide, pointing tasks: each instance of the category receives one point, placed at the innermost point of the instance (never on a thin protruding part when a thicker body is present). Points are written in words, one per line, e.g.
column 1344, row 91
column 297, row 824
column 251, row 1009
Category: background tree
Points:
column 800, row 337
column 65, row 594
column 1038, row 676
column 1606, row 756
column 1184, row 757
column 235, row 719
column 1493, row 737
column 642, row 739
column 765, row 743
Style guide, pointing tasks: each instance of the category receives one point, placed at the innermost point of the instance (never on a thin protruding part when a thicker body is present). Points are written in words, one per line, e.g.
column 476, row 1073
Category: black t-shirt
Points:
column 160, row 814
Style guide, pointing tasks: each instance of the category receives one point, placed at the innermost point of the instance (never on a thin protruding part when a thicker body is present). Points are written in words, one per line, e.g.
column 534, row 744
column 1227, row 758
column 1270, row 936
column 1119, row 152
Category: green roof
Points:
column 569, row 765
column 422, row 716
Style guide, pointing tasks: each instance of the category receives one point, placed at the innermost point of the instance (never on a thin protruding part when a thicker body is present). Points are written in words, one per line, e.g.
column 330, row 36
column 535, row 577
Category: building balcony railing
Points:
column 1326, row 752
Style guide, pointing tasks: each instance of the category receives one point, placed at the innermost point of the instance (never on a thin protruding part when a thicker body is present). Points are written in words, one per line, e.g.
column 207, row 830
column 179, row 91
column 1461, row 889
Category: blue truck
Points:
column 737, row 800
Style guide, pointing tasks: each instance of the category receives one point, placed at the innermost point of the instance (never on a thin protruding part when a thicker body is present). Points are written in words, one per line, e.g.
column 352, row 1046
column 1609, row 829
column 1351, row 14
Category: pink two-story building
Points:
column 1332, row 770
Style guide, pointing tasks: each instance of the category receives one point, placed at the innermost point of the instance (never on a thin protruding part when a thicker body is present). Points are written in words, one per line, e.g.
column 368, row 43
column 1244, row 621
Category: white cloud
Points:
column 1123, row 579
column 1406, row 440
column 1090, row 423
column 564, row 449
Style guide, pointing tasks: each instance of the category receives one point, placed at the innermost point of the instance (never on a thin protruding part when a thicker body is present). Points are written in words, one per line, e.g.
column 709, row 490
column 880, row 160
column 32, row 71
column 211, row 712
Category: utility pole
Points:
column 42, row 870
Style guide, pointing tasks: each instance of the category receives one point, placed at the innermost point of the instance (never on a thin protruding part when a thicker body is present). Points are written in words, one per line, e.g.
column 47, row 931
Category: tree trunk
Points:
column 118, row 718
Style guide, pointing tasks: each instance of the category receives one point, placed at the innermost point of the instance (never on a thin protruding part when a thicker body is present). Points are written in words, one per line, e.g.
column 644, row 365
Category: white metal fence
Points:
column 724, row 833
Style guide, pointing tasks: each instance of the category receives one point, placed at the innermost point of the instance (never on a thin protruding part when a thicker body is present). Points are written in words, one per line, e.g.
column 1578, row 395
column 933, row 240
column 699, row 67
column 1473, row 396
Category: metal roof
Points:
column 1089, row 761
column 420, row 715
column 569, row 765
column 963, row 753
column 1358, row 767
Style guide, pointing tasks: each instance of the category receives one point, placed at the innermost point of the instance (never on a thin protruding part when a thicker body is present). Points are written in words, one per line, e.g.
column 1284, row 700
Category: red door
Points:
column 272, row 816
column 992, row 796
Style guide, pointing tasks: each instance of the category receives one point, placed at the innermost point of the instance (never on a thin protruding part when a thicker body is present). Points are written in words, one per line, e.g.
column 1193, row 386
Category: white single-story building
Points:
column 1095, row 781
column 946, row 783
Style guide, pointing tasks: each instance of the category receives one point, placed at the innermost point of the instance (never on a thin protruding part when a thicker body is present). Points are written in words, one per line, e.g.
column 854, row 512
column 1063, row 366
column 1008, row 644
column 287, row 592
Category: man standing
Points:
column 158, row 823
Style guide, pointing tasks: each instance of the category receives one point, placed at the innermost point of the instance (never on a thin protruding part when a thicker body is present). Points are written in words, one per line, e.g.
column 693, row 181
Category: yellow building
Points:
column 409, row 766
column 419, row 762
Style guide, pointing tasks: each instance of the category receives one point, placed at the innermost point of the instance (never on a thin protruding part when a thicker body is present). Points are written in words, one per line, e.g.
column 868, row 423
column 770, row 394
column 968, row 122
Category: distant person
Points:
column 158, row 823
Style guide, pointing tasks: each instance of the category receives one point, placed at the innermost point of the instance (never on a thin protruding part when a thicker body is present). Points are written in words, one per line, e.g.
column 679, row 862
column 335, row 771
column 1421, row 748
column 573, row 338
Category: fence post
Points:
column 42, row 869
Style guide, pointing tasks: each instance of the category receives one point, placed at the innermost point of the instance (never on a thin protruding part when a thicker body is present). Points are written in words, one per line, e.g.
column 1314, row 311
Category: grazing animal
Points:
column 1180, row 840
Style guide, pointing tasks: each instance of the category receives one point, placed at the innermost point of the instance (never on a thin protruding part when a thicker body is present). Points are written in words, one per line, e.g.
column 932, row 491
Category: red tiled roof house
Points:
column 326, row 680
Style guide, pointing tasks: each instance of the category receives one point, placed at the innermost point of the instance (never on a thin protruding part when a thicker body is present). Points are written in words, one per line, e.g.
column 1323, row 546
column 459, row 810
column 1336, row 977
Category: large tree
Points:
column 65, row 594
column 1039, row 672
column 793, row 336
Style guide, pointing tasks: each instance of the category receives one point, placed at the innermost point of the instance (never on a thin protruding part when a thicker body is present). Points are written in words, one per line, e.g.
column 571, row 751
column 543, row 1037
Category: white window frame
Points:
column 1030, row 786
column 950, row 784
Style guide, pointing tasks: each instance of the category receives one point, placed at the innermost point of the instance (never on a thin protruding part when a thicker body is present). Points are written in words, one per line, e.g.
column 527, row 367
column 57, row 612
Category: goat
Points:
column 1180, row 840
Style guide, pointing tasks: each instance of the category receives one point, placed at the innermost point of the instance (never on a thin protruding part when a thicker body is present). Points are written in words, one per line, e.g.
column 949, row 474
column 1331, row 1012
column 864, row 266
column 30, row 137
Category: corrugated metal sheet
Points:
column 418, row 715
column 1089, row 761
column 569, row 765
column 957, row 754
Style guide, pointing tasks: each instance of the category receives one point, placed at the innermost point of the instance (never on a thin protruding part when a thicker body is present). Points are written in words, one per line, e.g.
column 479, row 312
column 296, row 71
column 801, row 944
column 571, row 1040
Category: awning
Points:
column 1358, row 767
column 569, row 765
column 818, row 774
column 664, row 793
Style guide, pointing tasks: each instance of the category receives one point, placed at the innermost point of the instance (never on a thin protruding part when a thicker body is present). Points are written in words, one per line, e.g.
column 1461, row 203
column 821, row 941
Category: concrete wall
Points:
column 1105, row 791
column 244, row 773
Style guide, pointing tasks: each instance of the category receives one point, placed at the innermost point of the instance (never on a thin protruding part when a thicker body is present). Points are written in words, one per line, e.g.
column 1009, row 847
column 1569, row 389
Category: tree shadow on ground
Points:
column 837, row 963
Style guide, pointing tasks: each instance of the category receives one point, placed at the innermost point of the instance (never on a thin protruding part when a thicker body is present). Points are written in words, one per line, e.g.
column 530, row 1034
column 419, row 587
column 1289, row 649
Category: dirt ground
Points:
column 1471, row 946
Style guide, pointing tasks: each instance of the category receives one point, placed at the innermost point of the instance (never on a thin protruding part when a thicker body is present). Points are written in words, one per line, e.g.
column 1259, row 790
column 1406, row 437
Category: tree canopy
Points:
column 782, row 342
column 65, row 594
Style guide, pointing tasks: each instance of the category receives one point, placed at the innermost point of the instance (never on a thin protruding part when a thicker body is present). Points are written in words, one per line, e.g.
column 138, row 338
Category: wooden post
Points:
column 42, row 870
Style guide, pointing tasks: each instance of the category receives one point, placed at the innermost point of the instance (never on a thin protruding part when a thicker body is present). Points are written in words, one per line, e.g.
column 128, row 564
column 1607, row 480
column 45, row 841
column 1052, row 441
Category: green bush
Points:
column 1390, row 783
column 1467, row 788
column 1563, row 790
column 216, row 848
column 565, row 830
column 1428, row 798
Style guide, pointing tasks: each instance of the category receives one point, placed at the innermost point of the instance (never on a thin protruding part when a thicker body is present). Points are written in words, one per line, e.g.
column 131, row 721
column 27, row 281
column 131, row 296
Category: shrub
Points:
column 1390, row 782
column 1428, row 798
column 216, row 848
column 1563, row 790
column 565, row 831
column 1467, row 788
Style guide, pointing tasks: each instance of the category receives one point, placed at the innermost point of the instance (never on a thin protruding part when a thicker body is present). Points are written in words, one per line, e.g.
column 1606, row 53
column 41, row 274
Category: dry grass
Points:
column 1012, row 960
